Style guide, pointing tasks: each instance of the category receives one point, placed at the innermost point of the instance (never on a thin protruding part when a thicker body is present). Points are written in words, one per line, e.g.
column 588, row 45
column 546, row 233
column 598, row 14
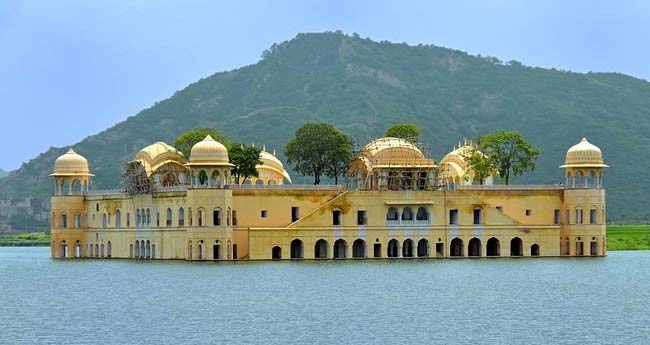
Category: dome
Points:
column 271, row 162
column 209, row 152
column 584, row 154
column 71, row 164
column 157, row 155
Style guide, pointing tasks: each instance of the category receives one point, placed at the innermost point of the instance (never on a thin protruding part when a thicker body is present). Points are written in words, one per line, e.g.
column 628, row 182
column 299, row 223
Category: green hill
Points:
column 3, row 173
column 362, row 87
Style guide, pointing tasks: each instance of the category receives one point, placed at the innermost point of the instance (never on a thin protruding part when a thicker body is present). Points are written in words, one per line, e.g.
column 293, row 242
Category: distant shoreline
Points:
column 619, row 237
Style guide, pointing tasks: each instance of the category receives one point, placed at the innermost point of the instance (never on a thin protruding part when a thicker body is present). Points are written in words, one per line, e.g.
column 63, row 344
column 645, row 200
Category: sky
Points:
column 70, row 69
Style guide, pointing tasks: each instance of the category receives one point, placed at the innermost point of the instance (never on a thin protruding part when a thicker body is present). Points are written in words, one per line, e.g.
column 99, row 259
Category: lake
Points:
column 462, row 301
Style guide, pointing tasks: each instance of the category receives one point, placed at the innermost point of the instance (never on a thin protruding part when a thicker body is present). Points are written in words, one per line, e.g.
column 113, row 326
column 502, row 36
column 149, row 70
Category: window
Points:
column 64, row 220
column 128, row 220
column 216, row 217
column 118, row 219
column 295, row 213
column 500, row 208
column 158, row 219
column 578, row 216
column 528, row 212
column 200, row 217
column 77, row 220
column 453, row 216
column 361, row 217
column 336, row 217
column 556, row 217
column 407, row 214
column 422, row 214
column 181, row 216
column 264, row 213
column 234, row 217
column 97, row 207
column 234, row 251
column 478, row 216
column 593, row 216
column 169, row 217
column 568, row 217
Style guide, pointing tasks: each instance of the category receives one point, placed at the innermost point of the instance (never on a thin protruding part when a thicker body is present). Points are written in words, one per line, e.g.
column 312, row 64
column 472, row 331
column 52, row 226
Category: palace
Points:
column 398, row 204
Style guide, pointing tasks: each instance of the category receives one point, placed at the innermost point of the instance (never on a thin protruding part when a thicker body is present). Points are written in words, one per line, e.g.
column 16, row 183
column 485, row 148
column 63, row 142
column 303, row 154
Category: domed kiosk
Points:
column 209, row 164
column 271, row 171
column 456, row 170
column 584, row 166
column 71, row 174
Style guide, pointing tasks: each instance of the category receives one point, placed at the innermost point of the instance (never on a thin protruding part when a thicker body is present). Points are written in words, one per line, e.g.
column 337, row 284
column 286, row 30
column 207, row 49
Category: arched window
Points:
column 168, row 220
column 91, row 251
column 102, row 250
column 64, row 220
column 190, row 216
column 516, row 247
column 276, row 253
column 259, row 182
column 216, row 250
column 148, row 250
column 137, row 248
column 143, row 250
column 228, row 212
column 296, row 249
column 423, row 248
column 216, row 217
column 96, row 250
column 392, row 214
column 340, row 249
column 181, row 217
column 77, row 220
column 137, row 217
column 407, row 214
column 422, row 214
column 216, row 178
column 320, row 249
column 359, row 249
column 493, row 247
column 200, row 216
column 407, row 248
column 203, row 178
column 148, row 220
column 393, row 248
column 456, row 247
column 474, row 248
column 534, row 250
column 76, row 187
column 109, row 249
column 189, row 250
column 118, row 219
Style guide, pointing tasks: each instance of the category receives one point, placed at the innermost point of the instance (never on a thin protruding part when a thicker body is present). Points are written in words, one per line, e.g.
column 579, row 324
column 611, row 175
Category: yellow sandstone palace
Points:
column 402, row 205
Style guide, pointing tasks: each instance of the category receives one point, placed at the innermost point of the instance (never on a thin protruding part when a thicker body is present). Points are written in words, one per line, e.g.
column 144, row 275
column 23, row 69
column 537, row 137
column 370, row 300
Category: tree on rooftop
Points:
column 406, row 131
column 245, row 159
column 508, row 152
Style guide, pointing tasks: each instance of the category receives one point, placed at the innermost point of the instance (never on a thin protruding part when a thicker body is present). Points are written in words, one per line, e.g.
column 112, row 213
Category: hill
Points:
column 3, row 173
column 362, row 87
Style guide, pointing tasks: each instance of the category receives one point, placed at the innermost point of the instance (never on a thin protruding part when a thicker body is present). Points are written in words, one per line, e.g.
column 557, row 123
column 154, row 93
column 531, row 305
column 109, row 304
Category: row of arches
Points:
column 407, row 249
column 79, row 250
column 407, row 214
column 143, row 218
column 143, row 250
column 199, row 250
column 68, row 186
column 584, row 179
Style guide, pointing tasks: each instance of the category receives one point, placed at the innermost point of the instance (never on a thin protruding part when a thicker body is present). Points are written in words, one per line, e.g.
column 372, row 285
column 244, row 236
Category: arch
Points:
column 200, row 214
column 65, row 187
column 168, row 218
column 422, row 214
column 76, row 187
column 148, row 250
column 407, row 214
column 202, row 178
column 359, row 249
column 320, row 249
column 340, row 249
column 148, row 218
column 393, row 248
column 456, row 248
column 276, row 253
column 102, row 250
column 77, row 249
column 259, row 182
column 181, row 216
column 392, row 214
column 516, row 247
column 109, row 249
column 215, row 178
column 91, row 251
column 474, row 247
column 534, row 250
column 137, row 216
column 296, row 249
column 189, row 215
column 216, row 216
column 137, row 248
column 271, row 182
column 407, row 248
column 423, row 248
column 96, row 250
column 493, row 247
column 189, row 250
column 118, row 219
column 199, row 250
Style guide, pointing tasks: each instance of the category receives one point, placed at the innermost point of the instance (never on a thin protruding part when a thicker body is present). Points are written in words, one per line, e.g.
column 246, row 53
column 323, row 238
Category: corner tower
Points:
column 71, row 179
column 584, row 230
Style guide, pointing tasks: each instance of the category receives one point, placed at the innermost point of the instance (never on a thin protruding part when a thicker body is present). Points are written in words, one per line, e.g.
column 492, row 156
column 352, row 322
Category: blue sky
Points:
column 69, row 69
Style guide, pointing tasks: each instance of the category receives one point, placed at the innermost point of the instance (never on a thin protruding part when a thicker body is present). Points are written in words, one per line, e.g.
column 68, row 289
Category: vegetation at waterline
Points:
column 619, row 237
column 628, row 237
column 35, row 239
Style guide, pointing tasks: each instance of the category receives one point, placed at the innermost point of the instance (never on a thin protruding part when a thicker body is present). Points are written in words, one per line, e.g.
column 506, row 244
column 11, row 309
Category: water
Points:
column 485, row 301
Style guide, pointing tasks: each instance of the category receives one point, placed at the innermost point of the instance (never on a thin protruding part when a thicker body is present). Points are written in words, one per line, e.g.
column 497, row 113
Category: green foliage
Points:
column 245, row 158
column 629, row 237
column 507, row 152
column 361, row 87
column 479, row 163
column 319, row 148
column 185, row 141
column 25, row 240
column 407, row 131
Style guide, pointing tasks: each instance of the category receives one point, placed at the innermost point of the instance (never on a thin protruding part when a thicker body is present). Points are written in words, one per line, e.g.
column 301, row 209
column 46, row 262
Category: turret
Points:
column 584, row 166
column 71, row 174
column 209, row 164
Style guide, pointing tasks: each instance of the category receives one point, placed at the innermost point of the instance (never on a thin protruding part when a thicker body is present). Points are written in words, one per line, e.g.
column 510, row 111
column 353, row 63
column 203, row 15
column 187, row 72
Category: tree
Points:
column 479, row 163
column 188, row 139
column 244, row 159
column 406, row 131
column 339, row 155
column 508, row 152
column 317, row 149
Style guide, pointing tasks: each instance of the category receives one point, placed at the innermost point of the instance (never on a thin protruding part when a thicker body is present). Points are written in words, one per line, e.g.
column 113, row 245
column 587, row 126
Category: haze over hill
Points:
column 362, row 87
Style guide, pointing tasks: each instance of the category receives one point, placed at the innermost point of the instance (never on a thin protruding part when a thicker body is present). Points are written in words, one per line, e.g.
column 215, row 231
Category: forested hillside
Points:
column 362, row 87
